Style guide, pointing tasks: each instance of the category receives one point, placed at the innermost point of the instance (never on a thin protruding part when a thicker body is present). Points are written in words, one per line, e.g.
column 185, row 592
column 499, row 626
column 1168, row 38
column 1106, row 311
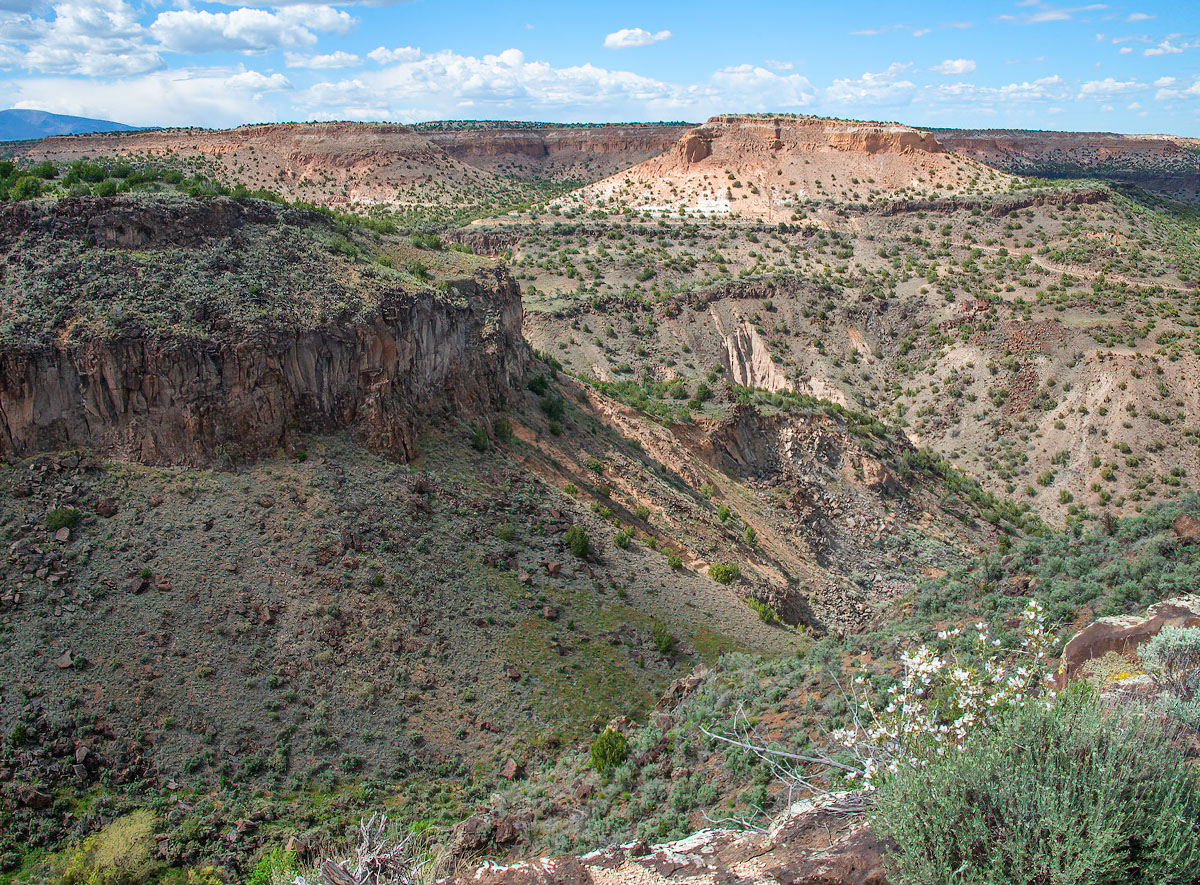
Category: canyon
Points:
column 348, row 467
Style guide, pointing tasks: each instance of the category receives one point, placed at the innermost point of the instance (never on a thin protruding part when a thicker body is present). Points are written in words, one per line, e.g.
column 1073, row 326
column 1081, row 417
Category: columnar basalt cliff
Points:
column 172, row 402
column 403, row 359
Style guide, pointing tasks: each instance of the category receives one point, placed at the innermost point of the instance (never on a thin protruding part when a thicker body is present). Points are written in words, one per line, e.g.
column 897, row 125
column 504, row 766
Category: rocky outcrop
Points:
column 174, row 330
column 822, row 843
column 778, row 133
column 416, row 359
column 557, row 152
column 1125, row 633
column 1079, row 153
column 997, row 207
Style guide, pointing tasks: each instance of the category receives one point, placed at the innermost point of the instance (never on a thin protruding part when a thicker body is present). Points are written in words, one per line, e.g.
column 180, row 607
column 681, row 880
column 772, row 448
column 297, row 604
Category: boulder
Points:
column 1124, row 633
column 815, row 843
column 511, row 770
column 1187, row 528
column 31, row 797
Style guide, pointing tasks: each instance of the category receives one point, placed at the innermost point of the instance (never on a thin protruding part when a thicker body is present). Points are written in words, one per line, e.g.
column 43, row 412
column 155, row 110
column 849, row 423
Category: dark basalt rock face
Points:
column 410, row 360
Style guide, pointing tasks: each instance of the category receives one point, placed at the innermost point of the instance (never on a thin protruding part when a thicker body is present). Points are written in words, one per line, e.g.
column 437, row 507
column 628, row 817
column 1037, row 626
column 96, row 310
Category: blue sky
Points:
column 1119, row 66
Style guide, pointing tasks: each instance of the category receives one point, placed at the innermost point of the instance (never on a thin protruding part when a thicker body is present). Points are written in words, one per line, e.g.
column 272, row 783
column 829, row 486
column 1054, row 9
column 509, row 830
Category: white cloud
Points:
column 384, row 56
column 96, row 38
column 162, row 98
column 1166, row 47
column 327, row 62
column 253, row 81
column 1173, row 89
column 247, row 30
column 1047, row 13
column 1109, row 87
column 955, row 66
column 420, row 85
column 1138, row 17
column 754, row 89
column 1051, row 88
column 882, row 88
column 629, row 38
column 445, row 84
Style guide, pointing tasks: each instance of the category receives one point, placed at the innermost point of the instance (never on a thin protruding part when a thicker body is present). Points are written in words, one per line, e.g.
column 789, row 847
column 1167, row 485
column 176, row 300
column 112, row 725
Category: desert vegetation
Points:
column 808, row 466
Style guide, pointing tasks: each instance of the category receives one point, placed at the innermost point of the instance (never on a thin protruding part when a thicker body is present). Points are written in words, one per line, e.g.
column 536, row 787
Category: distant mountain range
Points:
column 19, row 125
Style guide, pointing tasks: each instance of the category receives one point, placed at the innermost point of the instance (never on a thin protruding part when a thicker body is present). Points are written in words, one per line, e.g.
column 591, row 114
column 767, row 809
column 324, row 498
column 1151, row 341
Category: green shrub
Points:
column 479, row 439
column 199, row 876
column 275, row 866
column 642, row 512
column 624, row 537
column 62, row 518
column 765, row 613
column 553, row 407
column 1174, row 656
column 664, row 641
column 120, row 854
column 25, row 188
column 502, row 428
column 578, row 542
column 1069, row 795
column 609, row 750
column 724, row 572
column 538, row 384
column 675, row 561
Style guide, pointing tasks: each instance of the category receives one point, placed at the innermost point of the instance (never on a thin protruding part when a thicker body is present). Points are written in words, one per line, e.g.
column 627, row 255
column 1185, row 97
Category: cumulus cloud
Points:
column 1138, row 17
column 884, row 88
column 385, row 56
column 254, row 81
column 325, row 62
column 1174, row 89
column 247, row 30
column 955, row 67
column 161, row 98
column 1109, row 86
column 97, row 38
column 1052, row 88
column 418, row 85
column 629, row 38
column 1166, row 47
column 752, row 88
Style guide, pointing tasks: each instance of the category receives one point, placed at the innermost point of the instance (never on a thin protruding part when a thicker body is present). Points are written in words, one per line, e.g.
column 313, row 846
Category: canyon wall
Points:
column 559, row 152
column 107, row 348
column 417, row 360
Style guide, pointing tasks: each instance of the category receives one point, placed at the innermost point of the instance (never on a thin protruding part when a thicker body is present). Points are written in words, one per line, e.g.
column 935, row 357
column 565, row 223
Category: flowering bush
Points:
column 942, row 699
column 939, row 702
